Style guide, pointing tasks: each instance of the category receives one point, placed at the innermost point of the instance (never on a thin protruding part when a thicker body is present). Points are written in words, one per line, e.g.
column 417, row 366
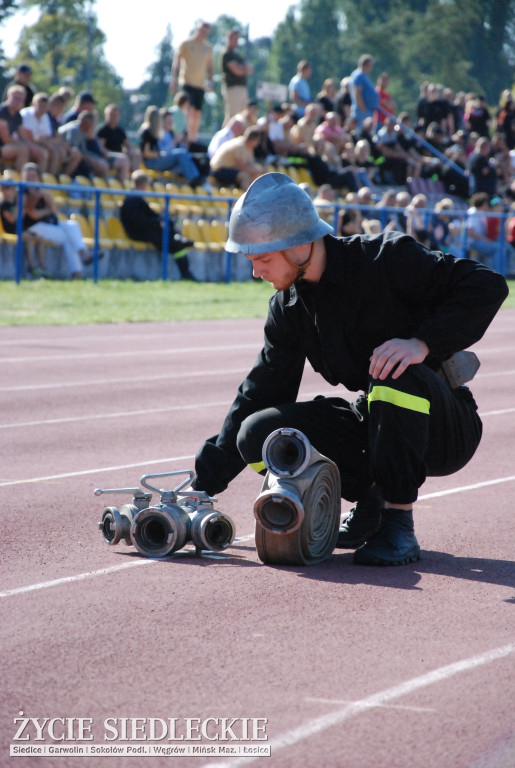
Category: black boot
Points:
column 184, row 269
column 362, row 521
column 393, row 544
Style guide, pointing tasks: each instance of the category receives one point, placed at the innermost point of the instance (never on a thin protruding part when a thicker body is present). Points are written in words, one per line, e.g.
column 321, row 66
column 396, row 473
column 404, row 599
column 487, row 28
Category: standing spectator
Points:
column 482, row 169
column 142, row 223
column 22, row 76
column 12, row 145
column 192, row 64
column 299, row 91
column 386, row 101
column 84, row 102
column 234, row 73
column 365, row 99
column 114, row 140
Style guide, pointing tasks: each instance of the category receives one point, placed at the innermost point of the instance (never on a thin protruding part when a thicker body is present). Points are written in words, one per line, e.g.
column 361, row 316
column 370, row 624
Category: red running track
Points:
column 350, row 666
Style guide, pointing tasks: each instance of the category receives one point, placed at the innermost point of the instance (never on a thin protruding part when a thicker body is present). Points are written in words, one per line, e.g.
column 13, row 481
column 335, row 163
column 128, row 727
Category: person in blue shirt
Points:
column 299, row 91
column 364, row 96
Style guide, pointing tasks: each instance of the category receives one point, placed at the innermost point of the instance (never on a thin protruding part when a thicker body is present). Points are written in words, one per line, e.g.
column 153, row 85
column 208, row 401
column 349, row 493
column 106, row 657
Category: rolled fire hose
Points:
column 298, row 510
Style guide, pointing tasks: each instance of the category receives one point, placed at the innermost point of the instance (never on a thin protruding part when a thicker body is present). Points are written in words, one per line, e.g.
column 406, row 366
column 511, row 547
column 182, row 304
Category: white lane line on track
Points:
column 167, row 409
column 386, row 706
column 66, row 356
column 124, row 380
column 247, row 537
column 319, row 724
column 208, row 330
column 164, row 377
column 50, row 478
column 474, row 487
column 120, row 414
column 104, row 571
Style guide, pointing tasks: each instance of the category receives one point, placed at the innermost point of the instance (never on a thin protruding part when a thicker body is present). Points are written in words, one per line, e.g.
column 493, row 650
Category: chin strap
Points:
column 301, row 268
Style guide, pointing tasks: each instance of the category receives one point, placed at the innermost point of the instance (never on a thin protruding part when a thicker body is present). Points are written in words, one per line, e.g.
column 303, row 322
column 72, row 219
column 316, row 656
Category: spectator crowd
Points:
column 369, row 165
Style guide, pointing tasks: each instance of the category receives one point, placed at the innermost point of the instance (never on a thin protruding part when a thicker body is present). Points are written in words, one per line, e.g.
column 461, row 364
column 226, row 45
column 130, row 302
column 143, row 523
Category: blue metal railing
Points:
column 96, row 192
column 87, row 192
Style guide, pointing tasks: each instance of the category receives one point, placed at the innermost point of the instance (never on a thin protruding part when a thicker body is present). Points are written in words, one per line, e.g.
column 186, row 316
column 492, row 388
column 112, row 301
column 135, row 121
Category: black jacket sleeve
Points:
column 460, row 296
column 274, row 379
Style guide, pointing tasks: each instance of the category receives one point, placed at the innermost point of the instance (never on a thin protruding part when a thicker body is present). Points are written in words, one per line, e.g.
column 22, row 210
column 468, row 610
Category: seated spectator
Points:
column 14, row 147
column 387, row 200
column 33, row 245
column 372, row 227
column 394, row 169
column 438, row 110
column 402, row 200
column 482, row 169
column 477, row 116
column 327, row 95
column 114, row 140
column 37, row 128
column 178, row 160
column 142, row 223
column 303, row 132
column 410, row 145
column 279, row 124
column 350, row 222
column 324, row 203
column 85, row 102
column 330, row 130
column 40, row 218
column 234, row 128
column 365, row 166
column 72, row 155
column 179, row 110
column 501, row 155
column 477, row 228
column 441, row 239
column 233, row 163
column 417, row 218
column 81, row 134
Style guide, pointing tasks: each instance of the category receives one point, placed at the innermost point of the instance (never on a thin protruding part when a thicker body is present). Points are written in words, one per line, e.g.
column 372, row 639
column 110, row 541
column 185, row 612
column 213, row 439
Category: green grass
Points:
column 46, row 302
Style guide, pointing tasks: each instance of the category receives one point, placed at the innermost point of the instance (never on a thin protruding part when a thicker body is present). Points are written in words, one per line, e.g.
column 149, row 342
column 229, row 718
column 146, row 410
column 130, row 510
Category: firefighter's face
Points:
column 275, row 268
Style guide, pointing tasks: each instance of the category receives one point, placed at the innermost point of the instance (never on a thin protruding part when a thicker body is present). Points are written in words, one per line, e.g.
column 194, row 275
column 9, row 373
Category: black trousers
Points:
column 402, row 431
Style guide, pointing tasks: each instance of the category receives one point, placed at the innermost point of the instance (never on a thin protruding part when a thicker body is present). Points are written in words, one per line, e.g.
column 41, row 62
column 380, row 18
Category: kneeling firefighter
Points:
column 381, row 315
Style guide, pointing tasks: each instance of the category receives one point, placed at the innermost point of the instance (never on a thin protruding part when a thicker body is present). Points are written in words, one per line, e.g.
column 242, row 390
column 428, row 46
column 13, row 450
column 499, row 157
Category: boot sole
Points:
column 381, row 561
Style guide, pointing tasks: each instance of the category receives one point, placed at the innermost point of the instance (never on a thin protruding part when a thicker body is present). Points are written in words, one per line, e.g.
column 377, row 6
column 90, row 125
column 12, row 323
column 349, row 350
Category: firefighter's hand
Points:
column 395, row 355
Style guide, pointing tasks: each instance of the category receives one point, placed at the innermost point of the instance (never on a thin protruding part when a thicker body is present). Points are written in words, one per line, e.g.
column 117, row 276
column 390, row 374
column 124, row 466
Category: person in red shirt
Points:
column 385, row 99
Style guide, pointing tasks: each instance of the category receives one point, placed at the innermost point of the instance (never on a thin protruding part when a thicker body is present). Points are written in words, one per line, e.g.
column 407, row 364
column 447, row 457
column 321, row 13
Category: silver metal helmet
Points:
column 272, row 215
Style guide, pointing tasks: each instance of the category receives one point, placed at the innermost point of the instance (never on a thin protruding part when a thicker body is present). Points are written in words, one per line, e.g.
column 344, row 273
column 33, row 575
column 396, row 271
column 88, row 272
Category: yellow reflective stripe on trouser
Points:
column 259, row 466
column 401, row 399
